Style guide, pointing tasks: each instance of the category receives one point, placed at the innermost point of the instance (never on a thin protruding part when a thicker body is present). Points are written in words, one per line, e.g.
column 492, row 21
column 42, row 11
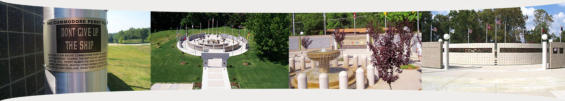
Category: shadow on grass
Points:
column 117, row 84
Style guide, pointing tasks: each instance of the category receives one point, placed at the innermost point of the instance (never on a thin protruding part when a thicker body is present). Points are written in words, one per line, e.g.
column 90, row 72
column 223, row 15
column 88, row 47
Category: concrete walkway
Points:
column 215, row 78
column 172, row 86
column 511, row 79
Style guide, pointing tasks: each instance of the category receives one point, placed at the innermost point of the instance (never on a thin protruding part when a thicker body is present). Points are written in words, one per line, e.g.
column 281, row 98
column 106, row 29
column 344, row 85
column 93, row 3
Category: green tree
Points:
column 464, row 21
column 310, row 23
column 442, row 24
column 542, row 21
column 271, row 35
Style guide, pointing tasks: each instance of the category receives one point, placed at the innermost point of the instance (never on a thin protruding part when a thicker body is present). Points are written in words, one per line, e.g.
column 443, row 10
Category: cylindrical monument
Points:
column 75, row 42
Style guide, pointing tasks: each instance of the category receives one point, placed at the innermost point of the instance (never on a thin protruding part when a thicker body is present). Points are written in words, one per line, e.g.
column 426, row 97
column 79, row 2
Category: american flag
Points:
column 469, row 30
column 498, row 21
column 354, row 15
column 435, row 29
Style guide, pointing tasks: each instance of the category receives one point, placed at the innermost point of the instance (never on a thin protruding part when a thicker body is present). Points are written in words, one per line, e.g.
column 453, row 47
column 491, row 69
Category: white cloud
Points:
column 477, row 10
column 562, row 4
column 529, row 11
column 444, row 12
column 559, row 20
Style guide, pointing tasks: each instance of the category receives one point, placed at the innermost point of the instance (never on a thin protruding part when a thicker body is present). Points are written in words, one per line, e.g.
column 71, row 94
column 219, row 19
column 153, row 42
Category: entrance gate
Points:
column 492, row 54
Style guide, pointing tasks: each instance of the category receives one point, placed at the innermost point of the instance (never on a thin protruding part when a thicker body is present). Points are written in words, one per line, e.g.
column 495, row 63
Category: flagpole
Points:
column 324, row 23
column 431, row 28
column 467, row 35
column 385, row 19
column 354, row 27
column 293, row 30
column 418, row 16
column 486, row 33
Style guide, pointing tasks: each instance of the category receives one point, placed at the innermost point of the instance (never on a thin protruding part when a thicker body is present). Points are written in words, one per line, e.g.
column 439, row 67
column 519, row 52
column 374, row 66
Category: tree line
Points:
column 141, row 34
column 173, row 20
column 474, row 26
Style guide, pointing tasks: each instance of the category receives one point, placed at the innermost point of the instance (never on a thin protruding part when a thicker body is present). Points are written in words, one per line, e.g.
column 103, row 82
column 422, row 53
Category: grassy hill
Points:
column 171, row 65
column 129, row 67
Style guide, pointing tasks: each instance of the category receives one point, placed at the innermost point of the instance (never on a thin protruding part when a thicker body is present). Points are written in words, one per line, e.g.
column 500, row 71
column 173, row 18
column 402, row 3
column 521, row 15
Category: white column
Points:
column 334, row 62
column 359, row 79
column 370, row 75
column 446, row 51
column 302, row 63
column 345, row 61
column 323, row 81
column 291, row 64
column 302, row 81
column 355, row 61
column 364, row 61
column 312, row 63
column 343, row 80
column 544, row 51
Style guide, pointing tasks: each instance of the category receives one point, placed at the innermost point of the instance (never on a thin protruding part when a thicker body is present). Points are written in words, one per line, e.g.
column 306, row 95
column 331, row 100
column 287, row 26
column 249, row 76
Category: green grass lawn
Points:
column 167, row 63
column 129, row 67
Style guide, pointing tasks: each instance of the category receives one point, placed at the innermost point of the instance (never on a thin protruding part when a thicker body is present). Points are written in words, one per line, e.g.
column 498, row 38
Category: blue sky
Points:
column 556, row 10
column 122, row 20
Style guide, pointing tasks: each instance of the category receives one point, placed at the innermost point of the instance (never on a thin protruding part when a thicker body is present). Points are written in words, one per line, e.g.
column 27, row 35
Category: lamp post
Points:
column 544, row 51
column 446, row 51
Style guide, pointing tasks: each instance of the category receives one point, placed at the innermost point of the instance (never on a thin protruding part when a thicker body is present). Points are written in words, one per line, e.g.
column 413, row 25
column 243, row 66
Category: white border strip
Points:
column 284, row 6
column 284, row 95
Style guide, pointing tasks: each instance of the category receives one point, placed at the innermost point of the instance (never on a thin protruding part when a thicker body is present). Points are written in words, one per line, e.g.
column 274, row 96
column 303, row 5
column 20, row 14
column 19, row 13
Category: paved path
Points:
column 172, row 86
column 512, row 79
column 215, row 78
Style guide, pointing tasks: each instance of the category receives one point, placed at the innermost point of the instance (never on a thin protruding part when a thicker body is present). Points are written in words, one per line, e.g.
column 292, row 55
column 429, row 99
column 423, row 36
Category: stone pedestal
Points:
column 302, row 81
column 323, row 81
column 359, row 79
column 343, row 80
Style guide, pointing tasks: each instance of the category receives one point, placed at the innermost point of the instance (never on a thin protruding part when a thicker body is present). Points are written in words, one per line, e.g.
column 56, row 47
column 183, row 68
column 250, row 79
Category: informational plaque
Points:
column 75, row 44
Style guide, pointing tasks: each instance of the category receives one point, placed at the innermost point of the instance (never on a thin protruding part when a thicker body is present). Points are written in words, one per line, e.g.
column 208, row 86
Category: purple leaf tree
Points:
column 339, row 36
column 390, row 50
column 306, row 41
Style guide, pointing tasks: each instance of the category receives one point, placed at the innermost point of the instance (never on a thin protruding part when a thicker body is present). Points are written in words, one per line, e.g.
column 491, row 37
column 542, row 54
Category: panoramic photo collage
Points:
column 50, row 50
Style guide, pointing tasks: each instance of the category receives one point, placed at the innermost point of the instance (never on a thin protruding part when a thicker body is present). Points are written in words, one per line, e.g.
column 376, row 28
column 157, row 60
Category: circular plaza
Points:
column 212, row 43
